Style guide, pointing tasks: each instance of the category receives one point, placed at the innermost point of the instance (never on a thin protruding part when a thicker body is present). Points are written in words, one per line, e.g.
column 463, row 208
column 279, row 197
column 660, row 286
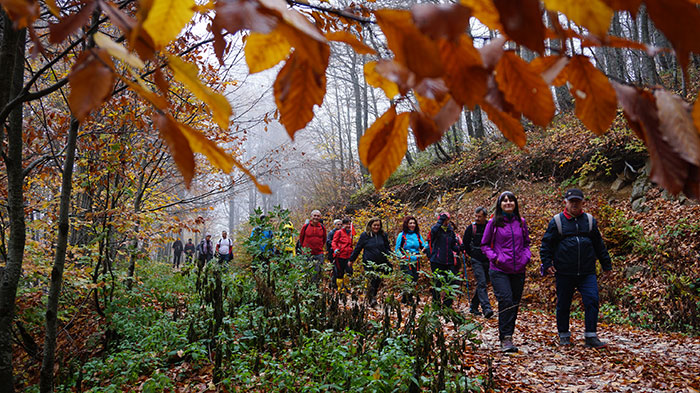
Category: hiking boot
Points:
column 594, row 342
column 507, row 345
column 476, row 313
column 565, row 340
column 488, row 314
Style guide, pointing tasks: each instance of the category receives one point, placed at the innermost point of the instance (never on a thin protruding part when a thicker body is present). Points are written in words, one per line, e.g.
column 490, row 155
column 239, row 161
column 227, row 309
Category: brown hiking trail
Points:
column 635, row 360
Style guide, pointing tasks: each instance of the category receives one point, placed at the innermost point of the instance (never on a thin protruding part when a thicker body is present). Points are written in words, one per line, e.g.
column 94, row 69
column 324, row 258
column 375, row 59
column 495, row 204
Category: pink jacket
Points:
column 508, row 247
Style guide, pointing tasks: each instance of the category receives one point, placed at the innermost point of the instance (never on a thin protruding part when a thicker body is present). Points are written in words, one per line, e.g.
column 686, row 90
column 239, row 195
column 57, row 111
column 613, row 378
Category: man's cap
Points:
column 573, row 193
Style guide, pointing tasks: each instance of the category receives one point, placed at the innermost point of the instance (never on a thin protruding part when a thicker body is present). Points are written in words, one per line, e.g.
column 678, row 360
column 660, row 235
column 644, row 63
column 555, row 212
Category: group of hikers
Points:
column 496, row 248
column 204, row 251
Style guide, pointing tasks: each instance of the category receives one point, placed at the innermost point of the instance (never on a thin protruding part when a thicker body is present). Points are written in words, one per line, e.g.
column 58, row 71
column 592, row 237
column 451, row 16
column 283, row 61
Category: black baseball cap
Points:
column 573, row 193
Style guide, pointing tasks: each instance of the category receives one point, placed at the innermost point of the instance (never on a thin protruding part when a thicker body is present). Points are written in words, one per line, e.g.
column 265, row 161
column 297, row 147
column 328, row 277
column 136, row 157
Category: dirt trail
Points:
column 634, row 361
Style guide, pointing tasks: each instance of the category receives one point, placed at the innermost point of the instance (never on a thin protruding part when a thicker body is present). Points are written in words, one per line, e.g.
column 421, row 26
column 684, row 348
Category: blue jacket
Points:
column 576, row 250
column 443, row 244
column 409, row 245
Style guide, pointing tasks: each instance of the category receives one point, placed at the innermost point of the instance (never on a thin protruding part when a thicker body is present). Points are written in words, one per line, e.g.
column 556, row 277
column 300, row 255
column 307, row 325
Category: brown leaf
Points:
column 524, row 88
column 424, row 129
column 625, row 5
column 485, row 11
column 298, row 88
column 464, row 74
column 676, row 124
column 679, row 20
column 491, row 53
column 595, row 98
column 384, row 145
column 161, row 82
column 448, row 115
column 138, row 39
column 350, row 39
column 91, row 81
column 396, row 73
column 59, row 31
column 509, row 126
column 178, row 145
column 696, row 113
column 551, row 68
column 522, row 22
column 22, row 12
column 411, row 48
column 441, row 21
column 243, row 15
column 433, row 89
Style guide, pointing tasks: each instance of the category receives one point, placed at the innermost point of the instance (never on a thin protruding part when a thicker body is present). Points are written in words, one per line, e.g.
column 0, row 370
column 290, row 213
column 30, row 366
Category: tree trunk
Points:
column 12, row 64
column 648, row 65
column 478, row 123
column 46, row 382
column 359, row 130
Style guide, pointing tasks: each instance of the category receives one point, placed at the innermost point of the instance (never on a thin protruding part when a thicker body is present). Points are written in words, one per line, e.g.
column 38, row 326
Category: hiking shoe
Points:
column 475, row 312
column 488, row 314
column 565, row 341
column 507, row 345
column 594, row 342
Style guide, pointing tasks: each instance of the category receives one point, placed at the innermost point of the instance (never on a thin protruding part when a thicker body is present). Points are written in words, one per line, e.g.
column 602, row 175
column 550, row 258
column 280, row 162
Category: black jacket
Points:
column 443, row 244
column 471, row 242
column 376, row 248
column 576, row 250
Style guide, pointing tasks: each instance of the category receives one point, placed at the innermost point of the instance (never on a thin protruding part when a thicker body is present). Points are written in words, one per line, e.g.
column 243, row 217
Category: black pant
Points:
column 481, row 295
column 341, row 267
column 508, row 289
column 588, row 287
column 375, row 279
column 176, row 259
column 440, row 275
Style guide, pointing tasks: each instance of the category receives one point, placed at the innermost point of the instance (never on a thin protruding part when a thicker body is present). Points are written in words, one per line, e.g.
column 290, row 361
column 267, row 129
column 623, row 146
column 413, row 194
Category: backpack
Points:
column 557, row 221
column 403, row 241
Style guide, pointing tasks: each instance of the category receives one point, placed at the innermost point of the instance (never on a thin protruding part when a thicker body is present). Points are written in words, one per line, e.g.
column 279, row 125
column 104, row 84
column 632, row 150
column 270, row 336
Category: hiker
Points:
column 375, row 243
column 177, row 249
column 570, row 247
column 337, row 223
column 265, row 247
column 480, row 264
column 189, row 251
column 409, row 246
column 506, row 244
column 342, row 249
column 312, row 238
column 224, row 248
column 443, row 245
column 206, row 252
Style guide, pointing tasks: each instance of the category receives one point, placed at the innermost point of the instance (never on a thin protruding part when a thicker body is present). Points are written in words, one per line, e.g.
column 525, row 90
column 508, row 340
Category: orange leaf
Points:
column 522, row 22
column 396, row 73
column 696, row 113
column 485, row 11
column 374, row 79
column 551, row 68
column 677, row 126
column 424, row 130
column 464, row 74
column 22, row 12
column 59, row 31
column 627, row 5
column 384, row 145
column 441, row 21
column 348, row 38
column 91, row 81
column 298, row 88
column 525, row 89
column 263, row 51
column 595, row 97
column 679, row 20
column 178, row 145
column 509, row 126
column 411, row 48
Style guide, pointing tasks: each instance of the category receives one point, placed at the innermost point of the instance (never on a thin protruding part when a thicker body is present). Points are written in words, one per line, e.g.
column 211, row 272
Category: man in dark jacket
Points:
column 570, row 247
column 189, row 251
column 177, row 249
column 443, row 246
column 206, row 251
column 471, row 245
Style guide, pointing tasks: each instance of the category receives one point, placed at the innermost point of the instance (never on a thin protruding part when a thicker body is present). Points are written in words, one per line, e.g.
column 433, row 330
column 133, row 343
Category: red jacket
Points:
column 342, row 241
column 313, row 237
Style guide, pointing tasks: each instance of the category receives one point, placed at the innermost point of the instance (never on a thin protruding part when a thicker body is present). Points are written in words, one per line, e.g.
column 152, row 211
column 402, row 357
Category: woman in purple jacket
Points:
column 506, row 244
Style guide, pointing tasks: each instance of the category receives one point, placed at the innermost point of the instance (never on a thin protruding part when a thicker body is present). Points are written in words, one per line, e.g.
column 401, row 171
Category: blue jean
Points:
column 588, row 288
column 508, row 289
column 481, row 295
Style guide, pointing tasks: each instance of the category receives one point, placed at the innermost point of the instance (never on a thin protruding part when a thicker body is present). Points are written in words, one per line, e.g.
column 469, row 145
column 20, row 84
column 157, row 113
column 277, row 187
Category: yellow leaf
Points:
column 202, row 145
column 384, row 145
column 357, row 45
column 374, row 79
column 524, row 88
column 55, row 11
column 485, row 11
column 263, row 51
column 596, row 103
column 594, row 15
column 117, row 50
column 166, row 18
column 178, row 145
column 187, row 74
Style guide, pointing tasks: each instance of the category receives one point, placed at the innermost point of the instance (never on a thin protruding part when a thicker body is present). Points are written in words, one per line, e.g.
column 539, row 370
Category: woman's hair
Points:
column 372, row 220
column 406, row 220
column 498, row 216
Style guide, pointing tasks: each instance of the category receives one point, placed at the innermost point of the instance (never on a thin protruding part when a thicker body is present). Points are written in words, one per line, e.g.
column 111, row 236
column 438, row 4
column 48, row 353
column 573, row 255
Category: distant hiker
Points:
column 506, row 244
column 570, row 247
column 375, row 243
column 337, row 224
column 342, row 249
column 189, row 251
column 224, row 248
column 312, row 238
column 177, row 249
column 409, row 246
column 265, row 248
column 480, row 264
column 205, row 250
column 443, row 245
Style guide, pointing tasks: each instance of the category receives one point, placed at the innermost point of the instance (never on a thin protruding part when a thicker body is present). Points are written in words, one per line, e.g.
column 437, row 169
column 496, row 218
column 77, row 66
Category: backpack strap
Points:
column 557, row 220
column 590, row 222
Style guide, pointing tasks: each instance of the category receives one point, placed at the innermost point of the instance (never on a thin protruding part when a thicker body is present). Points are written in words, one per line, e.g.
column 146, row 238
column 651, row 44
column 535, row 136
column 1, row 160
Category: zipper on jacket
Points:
column 578, row 242
column 512, row 238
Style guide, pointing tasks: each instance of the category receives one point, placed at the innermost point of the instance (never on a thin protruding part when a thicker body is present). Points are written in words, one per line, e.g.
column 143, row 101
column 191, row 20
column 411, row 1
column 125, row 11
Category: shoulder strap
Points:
column 590, row 222
column 557, row 220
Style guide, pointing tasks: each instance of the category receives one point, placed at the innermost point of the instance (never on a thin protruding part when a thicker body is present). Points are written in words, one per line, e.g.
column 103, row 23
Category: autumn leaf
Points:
column 679, row 20
column 430, row 123
column 236, row 16
column 424, row 129
column 166, row 18
column 264, row 51
column 491, row 53
column 696, row 114
column 138, row 38
column 525, row 89
column 374, row 79
column 187, row 74
column 464, row 74
column 595, row 98
column 91, row 81
column 145, row 93
column 298, row 88
column 53, row 8
column 348, row 38
column 676, row 124
column 68, row 25
column 551, row 69
column 384, row 145
column 625, row 5
column 594, row 15
column 509, row 126
column 161, row 82
column 396, row 73
column 485, row 11
column 22, row 12
column 117, row 50
column 441, row 21
column 522, row 22
column 178, row 145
